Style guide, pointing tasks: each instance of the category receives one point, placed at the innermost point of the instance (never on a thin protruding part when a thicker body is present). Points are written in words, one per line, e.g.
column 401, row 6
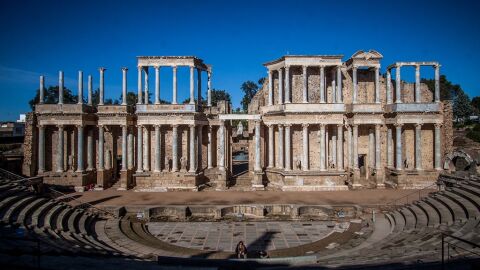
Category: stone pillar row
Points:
column 417, row 92
column 355, row 84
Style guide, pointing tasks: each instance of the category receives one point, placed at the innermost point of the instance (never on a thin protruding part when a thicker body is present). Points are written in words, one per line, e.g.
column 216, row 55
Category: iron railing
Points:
column 410, row 197
column 450, row 245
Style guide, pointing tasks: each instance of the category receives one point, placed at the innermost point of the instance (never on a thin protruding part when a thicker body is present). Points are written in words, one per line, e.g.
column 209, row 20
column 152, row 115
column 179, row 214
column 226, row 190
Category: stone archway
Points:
column 459, row 160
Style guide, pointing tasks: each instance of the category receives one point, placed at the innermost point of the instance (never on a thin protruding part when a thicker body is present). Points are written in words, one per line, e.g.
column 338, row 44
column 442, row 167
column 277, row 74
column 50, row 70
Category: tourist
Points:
column 241, row 250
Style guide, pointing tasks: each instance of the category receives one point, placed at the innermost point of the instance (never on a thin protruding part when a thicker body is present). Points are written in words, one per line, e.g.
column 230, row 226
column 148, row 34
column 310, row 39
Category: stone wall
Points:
column 30, row 156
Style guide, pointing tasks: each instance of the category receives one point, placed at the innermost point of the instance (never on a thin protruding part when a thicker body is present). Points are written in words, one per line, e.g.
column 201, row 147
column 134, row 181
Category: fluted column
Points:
column 139, row 88
column 270, row 146
column 339, row 85
column 270, row 88
column 41, row 149
column 146, row 144
column 418, row 97
column 437, row 83
column 355, row 84
column 398, row 85
column 305, row 84
column 157, row 84
column 355, row 147
column 101, row 149
column 174, row 85
column 334, row 87
column 145, row 71
column 287, row 84
column 378, row 161
column 209, row 148
column 389, row 87
column 280, row 86
column 90, row 150
column 102, row 86
column 192, row 149
column 192, row 87
column 80, row 167
column 371, row 148
column 418, row 146
column 398, row 147
column 90, row 89
column 322, row 84
column 124, row 147
column 322, row 148
column 209, row 90
column 60, row 87
column 349, row 163
column 377, row 85
column 280, row 147
column 199, row 87
column 80, row 87
column 158, row 149
column 438, row 146
column 139, row 149
column 288, row 146
column 389, row 147
column 199, row 163
column 41, row 90
column 60, row 145
column 221, row 142
column 257, row 147
column 130, row 150
column 305, row 159
column 340, row 147
column 124, row 85
column 174, row 148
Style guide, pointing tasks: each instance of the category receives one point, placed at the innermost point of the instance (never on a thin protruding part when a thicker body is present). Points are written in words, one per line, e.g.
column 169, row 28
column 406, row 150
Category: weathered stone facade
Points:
column 318, row 123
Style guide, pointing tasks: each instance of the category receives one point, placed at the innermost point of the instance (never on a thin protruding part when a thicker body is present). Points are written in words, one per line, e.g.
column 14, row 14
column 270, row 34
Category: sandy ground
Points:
column 359, row 197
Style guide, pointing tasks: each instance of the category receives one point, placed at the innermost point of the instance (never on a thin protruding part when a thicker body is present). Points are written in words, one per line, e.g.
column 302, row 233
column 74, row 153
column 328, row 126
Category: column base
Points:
column 257, row 181
column 104, row 179
column 125, row 180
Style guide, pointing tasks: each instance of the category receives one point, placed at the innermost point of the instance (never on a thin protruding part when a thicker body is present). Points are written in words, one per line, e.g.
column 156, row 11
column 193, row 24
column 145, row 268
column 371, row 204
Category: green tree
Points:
column 51, row 96
column 476, row 104
column 447, row 89
column 462, row 107
column 218, row 95
column 249, row 89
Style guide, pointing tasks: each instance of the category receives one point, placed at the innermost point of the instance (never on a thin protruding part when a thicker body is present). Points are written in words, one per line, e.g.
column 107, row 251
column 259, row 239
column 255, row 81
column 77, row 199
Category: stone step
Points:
column 446, row 215
column 399, row 221
column 102, row 236
column 432, row 214
column 475, row 200
column 51, row 216
column 410, row 220
column 16, row 208
column 470, row 208
column 28, row 210
column 7, row 202
column 420, row 216
column 458, row 211
column 38, row 214
column 471, row 189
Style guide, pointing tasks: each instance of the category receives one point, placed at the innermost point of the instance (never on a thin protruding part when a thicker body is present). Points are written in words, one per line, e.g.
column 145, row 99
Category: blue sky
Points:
column 236, row 37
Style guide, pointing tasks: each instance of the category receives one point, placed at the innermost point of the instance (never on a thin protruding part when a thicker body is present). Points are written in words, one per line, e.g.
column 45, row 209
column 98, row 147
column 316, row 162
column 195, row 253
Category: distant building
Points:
column 12, row 129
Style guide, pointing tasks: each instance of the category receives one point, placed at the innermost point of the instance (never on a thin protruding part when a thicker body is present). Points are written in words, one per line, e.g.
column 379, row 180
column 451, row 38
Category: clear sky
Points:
column 236, row 37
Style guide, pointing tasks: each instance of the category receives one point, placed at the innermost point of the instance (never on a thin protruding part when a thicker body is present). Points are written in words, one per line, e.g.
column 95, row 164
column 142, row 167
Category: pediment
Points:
column 371, row 54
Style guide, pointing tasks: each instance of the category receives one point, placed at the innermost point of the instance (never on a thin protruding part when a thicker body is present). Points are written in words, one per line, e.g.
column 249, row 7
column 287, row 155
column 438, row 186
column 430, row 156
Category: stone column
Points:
column 270, row 88
column 174, row 148
column 437, row 83
column 349, row 147
column 124, row 85
column 80, row 167
column 339, row 85
column 157, row 84
column 287, row 84
column 355, row 147
column 389, row 148
column 322, row 148
column 124, row 147
column 60, row 145
column 130, row 150
column 41, row 98
column 192, row 149
column 257, row 167
column 41, row 149
column 90, row 150
column 60, row 87
column 174, row 96
column 340, row 147
column 140, row 90
column 389, row 86
column 192, row 87
column 145, row 70
column 398, row 84
column 146, row 144
column 80, row 87
column 280, row 147
column 270, row 146
column 322, row 84
column 221, row 143
column 334, row 87
column 305, row 159
column 418, row 147
column 378, row 160
column 355, row 84
column 438, row 146
column 280, row 86
column 209, row 148
column 305, row 85
column 101, row 149
column 398, row 147
column 90, row 89
column 288, row 146
column 334, row 147
column 377, row 84
column 199, row 162
column 139, row 148
column 371, row 148
column 418, row 97
column 158, row 149
column 102, row 86
column 199, row 87
column 209, row 90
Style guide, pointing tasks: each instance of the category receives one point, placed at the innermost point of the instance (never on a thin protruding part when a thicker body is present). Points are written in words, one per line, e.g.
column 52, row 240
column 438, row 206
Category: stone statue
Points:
column 71, row 162
column 167, row 164
column 108, row 160
column 183, row 164
column 298, row 164
column 240, row 129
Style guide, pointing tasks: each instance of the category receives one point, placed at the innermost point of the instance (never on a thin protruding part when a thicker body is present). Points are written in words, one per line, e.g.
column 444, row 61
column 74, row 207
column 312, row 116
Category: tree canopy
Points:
column 249, row 89
column 51, row 96
column 476, row 104
column 218, row 95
